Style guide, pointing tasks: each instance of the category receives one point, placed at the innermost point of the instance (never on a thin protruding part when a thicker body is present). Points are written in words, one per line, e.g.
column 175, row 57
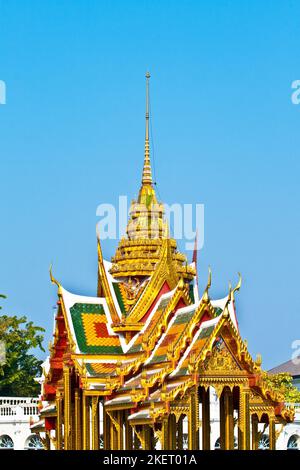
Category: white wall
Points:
column 16, row 416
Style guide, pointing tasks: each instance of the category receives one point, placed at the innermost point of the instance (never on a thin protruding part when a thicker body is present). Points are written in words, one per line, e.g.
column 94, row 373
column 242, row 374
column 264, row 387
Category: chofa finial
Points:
column 208, row 285
column 258, row 360
column 237, row 288
column 53, row 280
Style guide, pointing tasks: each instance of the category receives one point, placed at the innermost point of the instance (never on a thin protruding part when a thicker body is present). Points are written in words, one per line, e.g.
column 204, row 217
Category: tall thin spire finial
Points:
column 147, row 174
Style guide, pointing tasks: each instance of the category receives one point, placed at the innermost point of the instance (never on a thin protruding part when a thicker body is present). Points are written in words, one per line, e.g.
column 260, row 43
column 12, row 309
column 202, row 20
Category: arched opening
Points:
column 218, row 443
column 293, row 442
column 6, row 442
column 185, row 432
column 33, row 442
column 264, row 442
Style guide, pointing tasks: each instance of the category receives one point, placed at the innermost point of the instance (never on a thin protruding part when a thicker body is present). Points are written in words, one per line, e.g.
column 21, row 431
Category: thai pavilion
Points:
column 130, row 367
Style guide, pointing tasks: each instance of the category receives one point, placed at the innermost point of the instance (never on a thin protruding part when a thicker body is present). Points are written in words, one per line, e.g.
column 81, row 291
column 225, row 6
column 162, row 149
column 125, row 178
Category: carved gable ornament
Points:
column 221, row 361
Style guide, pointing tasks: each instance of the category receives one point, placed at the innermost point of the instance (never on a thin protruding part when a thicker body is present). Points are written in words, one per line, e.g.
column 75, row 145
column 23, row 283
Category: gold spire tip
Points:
column 147, row 172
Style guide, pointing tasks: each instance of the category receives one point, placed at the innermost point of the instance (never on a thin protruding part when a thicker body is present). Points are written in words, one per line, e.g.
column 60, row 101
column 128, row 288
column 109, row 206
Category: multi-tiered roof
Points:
column 147, row 336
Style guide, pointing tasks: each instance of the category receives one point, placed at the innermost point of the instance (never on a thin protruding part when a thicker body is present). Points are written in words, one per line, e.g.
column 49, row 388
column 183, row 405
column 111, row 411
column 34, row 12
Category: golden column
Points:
column 95, row 423
column 193, row 418
column 172, row 432
column 136, row 441
column 147, row 437
column 272, row 433
column 229, row 422
column 78, row 442
column 106, row 429
column 67, row 408
column 255, row 436
column 120, row 415
column 113, row 436
column 165, row 434
column 128, row 432
column 205, row 419
column 244, row 420
column 180, row 433
column 222, row 421
column 86, row 421
column 114, row 431
column 73, row 426
column 59, row 413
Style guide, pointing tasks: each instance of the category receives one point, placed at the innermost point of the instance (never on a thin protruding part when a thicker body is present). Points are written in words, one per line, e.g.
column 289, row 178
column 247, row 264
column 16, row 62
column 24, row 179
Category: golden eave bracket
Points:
column 124, row 327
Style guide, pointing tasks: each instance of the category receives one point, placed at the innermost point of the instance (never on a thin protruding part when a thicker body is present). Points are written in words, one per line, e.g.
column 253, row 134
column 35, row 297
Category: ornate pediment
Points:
column 256, row 399
column 220, row 361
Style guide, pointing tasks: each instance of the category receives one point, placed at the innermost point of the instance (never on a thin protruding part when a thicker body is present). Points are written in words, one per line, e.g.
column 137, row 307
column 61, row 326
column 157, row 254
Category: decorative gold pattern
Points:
column 221, row 361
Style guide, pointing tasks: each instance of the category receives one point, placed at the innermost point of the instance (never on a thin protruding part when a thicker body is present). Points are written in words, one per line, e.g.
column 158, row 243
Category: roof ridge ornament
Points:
column 53, row 280
column 258, row 360
column 225, row 312
column 236, row 288
column 208, row 285
column 147, row 173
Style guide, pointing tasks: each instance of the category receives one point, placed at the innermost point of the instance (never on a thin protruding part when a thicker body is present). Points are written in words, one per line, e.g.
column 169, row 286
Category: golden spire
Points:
column 147, row 174
column 139, row 253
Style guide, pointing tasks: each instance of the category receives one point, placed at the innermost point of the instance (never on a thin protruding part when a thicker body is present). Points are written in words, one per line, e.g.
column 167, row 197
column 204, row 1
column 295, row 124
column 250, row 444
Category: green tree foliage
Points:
column 283, row 383
column 18, row 372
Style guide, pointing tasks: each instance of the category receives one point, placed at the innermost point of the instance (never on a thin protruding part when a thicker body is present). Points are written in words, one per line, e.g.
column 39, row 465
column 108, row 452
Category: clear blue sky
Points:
column 225, row 130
